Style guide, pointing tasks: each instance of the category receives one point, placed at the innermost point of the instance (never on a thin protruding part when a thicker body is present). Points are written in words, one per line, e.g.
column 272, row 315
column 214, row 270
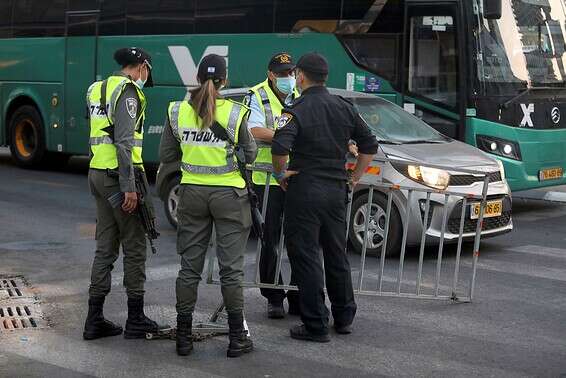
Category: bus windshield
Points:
column 525, row 47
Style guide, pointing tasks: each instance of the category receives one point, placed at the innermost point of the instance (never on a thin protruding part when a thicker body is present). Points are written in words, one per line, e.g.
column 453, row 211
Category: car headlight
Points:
column 433, row 177
column 500, row 147
column 501, row 169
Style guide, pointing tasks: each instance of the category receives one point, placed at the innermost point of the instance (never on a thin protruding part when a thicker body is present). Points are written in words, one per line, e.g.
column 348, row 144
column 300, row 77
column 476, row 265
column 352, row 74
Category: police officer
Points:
column 116, row 108
column 203, row 134
column 266, row 101
column 315, row 132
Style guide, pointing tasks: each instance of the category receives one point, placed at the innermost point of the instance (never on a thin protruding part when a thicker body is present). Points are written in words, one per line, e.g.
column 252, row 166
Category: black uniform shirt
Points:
column 315, row 132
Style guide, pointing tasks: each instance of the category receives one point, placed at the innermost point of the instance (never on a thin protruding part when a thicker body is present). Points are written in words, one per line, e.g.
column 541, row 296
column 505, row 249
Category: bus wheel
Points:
column 27, row 141
column 376, row 228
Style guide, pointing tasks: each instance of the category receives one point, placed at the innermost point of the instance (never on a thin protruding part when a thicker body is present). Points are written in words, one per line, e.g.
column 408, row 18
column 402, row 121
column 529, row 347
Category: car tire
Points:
column 27, row 138
column 377, row 226
column 171, row 200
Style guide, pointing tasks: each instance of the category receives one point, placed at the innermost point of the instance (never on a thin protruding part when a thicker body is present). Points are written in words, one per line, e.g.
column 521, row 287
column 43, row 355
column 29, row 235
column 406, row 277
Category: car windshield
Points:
column 390, row 123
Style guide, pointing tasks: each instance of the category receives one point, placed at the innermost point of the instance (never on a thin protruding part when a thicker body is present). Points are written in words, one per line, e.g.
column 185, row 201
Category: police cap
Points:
column 212, row 67
column 281, row 62
column 313, row 63
column 134, row 55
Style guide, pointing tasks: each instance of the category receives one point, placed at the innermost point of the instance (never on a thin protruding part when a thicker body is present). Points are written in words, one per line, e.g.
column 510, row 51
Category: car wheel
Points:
column 171, row 200
column 376, row 227
column 27, row 141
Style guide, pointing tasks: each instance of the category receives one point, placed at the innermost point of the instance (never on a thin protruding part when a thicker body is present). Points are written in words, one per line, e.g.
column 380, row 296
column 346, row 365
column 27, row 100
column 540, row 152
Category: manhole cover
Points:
column 18, row 310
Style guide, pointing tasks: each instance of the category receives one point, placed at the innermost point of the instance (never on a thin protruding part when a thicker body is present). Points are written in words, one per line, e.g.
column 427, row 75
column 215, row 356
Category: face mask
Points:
column 285, row 84
column 139, row 82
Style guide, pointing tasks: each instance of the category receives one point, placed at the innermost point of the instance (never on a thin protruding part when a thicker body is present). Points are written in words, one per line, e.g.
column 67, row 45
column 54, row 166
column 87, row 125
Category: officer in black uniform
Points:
column 315, row 132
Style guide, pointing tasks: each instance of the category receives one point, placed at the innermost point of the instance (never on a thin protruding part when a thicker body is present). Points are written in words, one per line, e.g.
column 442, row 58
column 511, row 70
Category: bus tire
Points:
column 357, row 222
column 27, row 137
column 171, row 200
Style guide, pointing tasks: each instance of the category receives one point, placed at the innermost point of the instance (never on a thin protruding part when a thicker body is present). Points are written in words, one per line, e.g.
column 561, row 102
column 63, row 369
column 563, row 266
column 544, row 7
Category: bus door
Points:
column 434, row 87
column 81, row 30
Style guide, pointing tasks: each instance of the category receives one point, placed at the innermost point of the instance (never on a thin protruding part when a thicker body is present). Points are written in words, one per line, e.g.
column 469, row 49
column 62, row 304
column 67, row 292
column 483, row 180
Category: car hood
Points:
column 453, row 154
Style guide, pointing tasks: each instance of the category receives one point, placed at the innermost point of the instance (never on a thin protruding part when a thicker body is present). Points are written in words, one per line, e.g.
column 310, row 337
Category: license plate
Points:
column 550, row 174
column 492, row 209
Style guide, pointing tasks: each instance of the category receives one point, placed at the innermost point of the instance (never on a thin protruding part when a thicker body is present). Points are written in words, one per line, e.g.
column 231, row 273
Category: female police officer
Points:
column 212, row 190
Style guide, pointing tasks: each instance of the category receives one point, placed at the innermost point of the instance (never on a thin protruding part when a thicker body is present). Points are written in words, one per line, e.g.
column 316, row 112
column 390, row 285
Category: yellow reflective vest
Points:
column 272, row 108
column 208, row 160
column 104, row 155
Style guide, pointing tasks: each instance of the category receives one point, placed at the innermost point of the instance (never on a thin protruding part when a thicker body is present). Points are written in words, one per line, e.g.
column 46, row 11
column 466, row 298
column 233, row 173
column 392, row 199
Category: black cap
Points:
column 212, row 67
column 281, row 62
column 313, row 63
column 135, row 55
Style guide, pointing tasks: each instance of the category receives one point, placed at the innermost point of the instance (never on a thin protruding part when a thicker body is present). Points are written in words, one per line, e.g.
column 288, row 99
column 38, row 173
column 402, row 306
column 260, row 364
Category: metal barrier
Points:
column 399, row 285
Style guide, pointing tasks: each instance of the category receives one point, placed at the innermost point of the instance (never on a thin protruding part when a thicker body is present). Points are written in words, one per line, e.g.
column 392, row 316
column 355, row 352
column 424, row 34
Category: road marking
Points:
column 540, row 251
column 48, row 183
column 520, row 269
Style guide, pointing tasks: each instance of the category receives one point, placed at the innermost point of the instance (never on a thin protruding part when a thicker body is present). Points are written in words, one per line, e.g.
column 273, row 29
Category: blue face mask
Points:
column 140, row 83
column 285, row 84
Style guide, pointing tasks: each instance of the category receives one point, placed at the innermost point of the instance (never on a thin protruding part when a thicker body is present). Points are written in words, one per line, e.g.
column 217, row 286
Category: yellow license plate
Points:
column 550, row 174
column 492, row 209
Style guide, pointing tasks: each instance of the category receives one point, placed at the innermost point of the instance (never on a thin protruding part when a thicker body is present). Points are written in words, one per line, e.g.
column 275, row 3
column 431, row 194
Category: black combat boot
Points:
column 184, row 334
column 240, row 343
column 96, row 326
column 138, row 325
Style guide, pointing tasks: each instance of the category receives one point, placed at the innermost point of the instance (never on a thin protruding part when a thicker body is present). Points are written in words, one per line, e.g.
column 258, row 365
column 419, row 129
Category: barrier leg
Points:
column 263, row 213
column 459, row 250
column 366, row 234
column 404, row 241
column 385, row 238
column 423, row 243
column 477, row 239
column 441, row 246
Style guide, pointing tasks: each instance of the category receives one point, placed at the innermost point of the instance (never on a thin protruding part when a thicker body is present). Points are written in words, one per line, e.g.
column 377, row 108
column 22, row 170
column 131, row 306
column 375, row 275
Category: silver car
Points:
column 403, row 136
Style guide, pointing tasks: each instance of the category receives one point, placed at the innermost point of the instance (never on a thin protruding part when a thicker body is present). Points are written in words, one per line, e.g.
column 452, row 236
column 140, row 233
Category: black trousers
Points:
column 315, row 216
column 268, row 259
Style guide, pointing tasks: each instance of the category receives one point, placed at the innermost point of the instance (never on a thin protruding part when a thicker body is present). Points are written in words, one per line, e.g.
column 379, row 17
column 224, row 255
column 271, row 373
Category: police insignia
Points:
column 132, row 107
column 284, row 120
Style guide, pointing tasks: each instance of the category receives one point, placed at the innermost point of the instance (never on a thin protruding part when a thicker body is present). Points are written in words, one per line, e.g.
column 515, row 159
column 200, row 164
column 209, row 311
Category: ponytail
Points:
column 203, row 101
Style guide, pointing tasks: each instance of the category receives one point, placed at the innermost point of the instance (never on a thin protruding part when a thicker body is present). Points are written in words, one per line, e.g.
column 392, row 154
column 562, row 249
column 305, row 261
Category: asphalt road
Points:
column 516, row 325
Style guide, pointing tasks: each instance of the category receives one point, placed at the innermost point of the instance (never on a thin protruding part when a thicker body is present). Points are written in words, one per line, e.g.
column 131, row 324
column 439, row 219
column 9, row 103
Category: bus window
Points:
column 83, row 5
column 433, row 63
column 6, row 19
column 163, row 17
column 290, row 12
column 227, row 16
column 113, row 18
column 33, row 18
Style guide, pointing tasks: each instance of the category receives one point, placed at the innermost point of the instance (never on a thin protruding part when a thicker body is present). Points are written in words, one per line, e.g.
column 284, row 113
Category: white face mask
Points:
column 139, row 82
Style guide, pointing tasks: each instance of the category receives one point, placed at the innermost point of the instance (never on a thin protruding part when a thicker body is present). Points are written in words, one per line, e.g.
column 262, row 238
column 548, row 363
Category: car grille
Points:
column 464, row 180
column 453, row 225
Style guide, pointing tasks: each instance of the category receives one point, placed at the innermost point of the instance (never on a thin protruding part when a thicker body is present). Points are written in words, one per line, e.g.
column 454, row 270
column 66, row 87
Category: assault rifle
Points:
column 142, row 209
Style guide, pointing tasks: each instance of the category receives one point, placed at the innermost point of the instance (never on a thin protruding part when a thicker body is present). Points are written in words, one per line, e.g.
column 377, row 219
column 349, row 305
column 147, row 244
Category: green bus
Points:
column 488, row 72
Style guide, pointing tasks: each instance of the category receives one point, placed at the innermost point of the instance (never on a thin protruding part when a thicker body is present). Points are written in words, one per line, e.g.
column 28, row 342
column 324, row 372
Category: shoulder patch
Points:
column 284, row 119
column 132, row 107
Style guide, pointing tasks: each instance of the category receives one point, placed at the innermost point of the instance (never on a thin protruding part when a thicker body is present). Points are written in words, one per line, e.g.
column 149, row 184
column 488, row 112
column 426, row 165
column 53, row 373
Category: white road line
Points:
column 539, row 251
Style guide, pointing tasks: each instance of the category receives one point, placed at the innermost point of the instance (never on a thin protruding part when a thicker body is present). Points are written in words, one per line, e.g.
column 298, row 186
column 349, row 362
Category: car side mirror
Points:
column 492, row 9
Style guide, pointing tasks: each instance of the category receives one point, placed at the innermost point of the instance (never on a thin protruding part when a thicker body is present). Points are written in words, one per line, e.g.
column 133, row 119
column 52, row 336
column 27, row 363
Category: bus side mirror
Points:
column 492, row 9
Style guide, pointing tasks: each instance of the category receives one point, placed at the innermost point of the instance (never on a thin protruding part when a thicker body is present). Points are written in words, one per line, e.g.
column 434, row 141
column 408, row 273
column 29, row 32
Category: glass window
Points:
column 307, row 15
column 82, row 5
column 355, row 9
column 433, row 58
column 226, row 16
column 390, row 122
column 379, row 53
column 160, row 17
column 34, row 18
column 6, row 19
column 112, row 17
